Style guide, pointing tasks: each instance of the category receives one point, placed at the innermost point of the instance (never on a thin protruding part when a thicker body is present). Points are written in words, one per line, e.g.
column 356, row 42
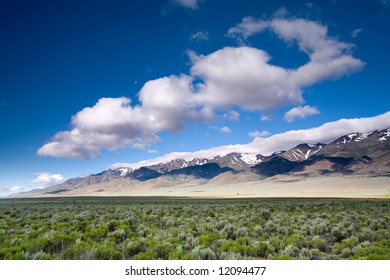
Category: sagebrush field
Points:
column 156, row 228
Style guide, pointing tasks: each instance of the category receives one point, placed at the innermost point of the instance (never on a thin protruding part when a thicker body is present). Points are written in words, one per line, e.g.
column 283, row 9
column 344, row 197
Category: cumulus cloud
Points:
column 329, row 58
column 278, row 142
column 170, row 102
column 151, row 151
column 45, row 179
column 225, row 130
column 112, row 123
column 300, row 112
column 200, row 36
column 243, row 77
column 232, row 77
column 256, row 133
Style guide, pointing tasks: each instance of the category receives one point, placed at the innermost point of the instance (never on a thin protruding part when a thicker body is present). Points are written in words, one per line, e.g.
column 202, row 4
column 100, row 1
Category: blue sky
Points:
column 156, row 77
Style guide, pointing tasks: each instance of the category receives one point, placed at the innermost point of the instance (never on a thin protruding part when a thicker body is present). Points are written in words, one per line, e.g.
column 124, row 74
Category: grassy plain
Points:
column 180, row 228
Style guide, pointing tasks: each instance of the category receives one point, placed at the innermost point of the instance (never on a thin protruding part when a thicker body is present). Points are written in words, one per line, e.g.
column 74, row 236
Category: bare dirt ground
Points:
column 277, row 186
column 346, row 187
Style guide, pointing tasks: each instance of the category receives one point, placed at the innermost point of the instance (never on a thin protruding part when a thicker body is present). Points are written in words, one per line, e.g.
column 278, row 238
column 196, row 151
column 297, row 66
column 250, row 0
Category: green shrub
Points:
column 107, row 251
column 148, row 255
column 338, row 233
column 258, row 230
column 80, row 251
column 100, row 228
column 305, row 254
column 97, row 234
column 203, row 254
column 112, row 225
column 266, row 214
column 366, row 234
column 319, row 243
column 179, row 254
column 290, row 251
column 132, row 248
column 208, row 239
column 162, row 251
column 230, row 256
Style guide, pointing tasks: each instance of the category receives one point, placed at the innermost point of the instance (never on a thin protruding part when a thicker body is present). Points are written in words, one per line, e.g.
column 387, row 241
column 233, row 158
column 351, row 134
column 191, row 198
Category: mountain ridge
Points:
column 355, row 153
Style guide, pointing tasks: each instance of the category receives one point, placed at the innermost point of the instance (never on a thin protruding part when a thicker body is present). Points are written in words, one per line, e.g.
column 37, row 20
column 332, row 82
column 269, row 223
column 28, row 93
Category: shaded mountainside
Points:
column 357, row 145
column 205, row 171
column 301, row 152
column 353, row 154
column 274, row 166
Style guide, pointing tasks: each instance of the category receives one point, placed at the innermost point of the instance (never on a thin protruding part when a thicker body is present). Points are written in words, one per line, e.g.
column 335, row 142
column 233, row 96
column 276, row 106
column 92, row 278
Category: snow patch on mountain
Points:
column 307, row 154
column 250, row 158
column 384, row 135
column 124, row 171
column 319, row 148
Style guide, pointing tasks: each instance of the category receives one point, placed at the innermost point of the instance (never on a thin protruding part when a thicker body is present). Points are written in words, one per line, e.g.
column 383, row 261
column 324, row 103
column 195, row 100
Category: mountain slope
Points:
column 353, row 154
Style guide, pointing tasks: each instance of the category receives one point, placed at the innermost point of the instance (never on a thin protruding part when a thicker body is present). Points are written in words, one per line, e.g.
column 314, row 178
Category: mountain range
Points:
column 355, row 154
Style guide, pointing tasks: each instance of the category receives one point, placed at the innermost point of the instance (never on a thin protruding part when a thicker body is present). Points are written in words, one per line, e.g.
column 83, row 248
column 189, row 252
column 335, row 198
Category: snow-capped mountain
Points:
column 358, row 144
column 237, row 161
column 302, row 152
column 355, row 153
column 177, row 164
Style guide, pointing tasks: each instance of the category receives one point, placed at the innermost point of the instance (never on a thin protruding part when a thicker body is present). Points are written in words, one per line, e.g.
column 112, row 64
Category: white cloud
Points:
column 232, row 116
column 243, row 76
column 225, row 130
column 15, row 189
column 240, row 77
column 190, row 4
column 265, row 118
column 300, row 112
column 256, row 133
column 323, row 134
column 170, row 102
column 6, row 190
column 281, row 12
column 356, row 32
column 329, row 58
column 283, row 141
column 167, row 104
column 248, row 27
column 150, row 151
column 200, row 36
column 45, row 179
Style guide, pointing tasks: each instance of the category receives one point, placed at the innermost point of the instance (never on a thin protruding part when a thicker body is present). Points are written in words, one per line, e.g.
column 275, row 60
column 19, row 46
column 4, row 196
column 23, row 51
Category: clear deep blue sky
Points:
column 58, row 57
